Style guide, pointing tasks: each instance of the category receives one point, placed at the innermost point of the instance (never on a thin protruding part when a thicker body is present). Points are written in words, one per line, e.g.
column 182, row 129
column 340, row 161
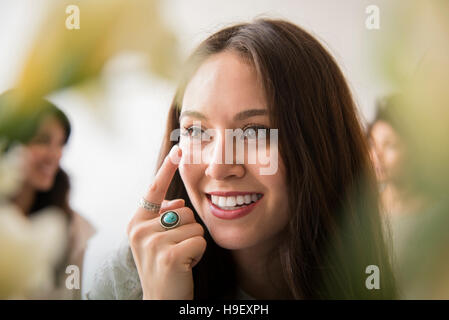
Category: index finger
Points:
column 164, row 176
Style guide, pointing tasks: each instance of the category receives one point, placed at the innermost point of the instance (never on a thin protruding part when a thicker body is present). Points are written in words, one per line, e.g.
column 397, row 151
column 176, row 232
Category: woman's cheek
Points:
column 35, row 155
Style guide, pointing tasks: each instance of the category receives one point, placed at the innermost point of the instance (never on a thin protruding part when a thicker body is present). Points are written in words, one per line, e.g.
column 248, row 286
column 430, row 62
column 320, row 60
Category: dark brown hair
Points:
column 335, row 230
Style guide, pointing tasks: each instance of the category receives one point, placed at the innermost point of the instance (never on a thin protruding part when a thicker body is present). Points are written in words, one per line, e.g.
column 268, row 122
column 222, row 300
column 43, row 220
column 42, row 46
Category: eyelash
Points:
column 41, row 140
column 187, row 131
column 45, row 140
column 255, row 127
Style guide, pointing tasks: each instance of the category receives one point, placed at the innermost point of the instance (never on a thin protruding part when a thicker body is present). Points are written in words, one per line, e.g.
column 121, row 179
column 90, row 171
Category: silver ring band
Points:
column 150, row 206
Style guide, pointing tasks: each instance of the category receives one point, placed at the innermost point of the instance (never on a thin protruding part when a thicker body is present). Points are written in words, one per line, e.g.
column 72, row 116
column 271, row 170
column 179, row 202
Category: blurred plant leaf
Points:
column 61, row 57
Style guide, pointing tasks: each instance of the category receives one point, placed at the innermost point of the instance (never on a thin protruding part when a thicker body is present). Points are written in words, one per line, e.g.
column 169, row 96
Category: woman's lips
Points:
column 232, row 205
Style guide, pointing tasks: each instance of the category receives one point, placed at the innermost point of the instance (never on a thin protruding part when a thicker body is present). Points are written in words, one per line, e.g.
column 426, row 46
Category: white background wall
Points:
column 111, row 156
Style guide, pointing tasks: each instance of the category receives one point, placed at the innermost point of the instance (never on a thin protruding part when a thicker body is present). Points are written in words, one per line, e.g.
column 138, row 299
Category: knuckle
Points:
column 201, row 242
column 134, row 235
column 168, row 259
column 188, row 213
column 153, row 187
column 198, row 228
column 150, row 246
column 156, row 238
column 153, row 242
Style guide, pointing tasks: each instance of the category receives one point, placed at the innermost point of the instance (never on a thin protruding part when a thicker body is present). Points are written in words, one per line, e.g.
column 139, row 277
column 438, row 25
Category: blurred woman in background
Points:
column 389, row 154
column 43, row 130
column 403, row 202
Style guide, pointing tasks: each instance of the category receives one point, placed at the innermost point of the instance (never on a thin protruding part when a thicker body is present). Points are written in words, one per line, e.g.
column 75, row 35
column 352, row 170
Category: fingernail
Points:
column 175, row 154
column 177, row 149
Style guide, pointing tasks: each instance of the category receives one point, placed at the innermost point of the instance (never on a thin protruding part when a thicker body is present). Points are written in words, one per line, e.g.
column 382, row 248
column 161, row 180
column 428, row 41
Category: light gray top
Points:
column 118, row 279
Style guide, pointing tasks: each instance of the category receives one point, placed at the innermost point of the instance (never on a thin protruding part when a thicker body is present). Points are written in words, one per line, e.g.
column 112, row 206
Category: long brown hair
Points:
column 335, row 230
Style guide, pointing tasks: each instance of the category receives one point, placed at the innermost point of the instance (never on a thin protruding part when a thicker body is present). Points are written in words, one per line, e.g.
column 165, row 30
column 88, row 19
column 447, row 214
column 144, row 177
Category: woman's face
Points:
column 240, row 207
column 386, row 151
column 44, row 153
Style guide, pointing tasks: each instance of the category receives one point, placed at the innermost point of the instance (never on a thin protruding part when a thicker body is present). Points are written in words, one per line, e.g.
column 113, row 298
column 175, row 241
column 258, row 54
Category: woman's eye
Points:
column 250, row 133
column 41, row 140
column 254, row 132
column 194, row 132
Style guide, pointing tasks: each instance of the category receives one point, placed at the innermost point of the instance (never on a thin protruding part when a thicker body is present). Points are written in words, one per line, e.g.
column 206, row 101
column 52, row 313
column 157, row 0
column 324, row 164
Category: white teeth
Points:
column 230, row 202
column 221, row 201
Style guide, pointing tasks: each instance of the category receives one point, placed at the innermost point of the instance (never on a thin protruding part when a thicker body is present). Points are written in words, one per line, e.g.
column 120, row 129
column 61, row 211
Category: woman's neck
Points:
column 258, row 276
column 24, row 199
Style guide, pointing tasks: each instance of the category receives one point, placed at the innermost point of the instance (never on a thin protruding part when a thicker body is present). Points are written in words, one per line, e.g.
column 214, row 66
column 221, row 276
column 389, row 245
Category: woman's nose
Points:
column 217, row 166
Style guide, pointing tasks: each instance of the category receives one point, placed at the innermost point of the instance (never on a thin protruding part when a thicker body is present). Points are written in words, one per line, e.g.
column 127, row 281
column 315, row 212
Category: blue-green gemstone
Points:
column 170, row 218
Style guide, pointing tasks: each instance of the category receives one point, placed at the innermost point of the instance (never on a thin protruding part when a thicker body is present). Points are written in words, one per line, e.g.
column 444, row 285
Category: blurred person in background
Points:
column 400, row 201
column 43, row 130
column 421, row 115
column 390, row 156
column 413, row 56
column 404, row 156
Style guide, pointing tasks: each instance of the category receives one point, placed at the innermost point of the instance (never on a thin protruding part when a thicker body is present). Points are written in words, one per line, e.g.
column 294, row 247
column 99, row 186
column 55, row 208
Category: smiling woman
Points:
column 308, row 230
column 43, row 130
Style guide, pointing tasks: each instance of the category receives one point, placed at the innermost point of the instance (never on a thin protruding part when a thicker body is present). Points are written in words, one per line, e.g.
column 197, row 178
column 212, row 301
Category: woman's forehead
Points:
column 224, row 83
column 51, row 125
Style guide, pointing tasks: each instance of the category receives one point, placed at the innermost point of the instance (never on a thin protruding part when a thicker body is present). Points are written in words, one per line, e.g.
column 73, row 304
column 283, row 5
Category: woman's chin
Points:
column 43, row 185
column 232, row 239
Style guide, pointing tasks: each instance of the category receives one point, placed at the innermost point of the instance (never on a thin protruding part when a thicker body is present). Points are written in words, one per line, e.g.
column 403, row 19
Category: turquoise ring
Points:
column 169, row 220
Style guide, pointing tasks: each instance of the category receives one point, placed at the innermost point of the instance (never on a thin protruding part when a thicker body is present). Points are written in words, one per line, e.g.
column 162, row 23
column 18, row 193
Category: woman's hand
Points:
column 165, row 258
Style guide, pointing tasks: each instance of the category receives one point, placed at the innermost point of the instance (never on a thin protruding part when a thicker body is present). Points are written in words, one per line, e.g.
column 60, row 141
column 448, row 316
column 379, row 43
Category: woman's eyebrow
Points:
column 250, row 113
column 238, row 117
column 194, row 114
